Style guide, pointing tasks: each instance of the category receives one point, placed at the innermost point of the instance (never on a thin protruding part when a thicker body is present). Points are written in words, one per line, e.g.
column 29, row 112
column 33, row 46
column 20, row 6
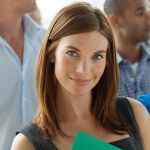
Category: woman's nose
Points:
column 82, row 67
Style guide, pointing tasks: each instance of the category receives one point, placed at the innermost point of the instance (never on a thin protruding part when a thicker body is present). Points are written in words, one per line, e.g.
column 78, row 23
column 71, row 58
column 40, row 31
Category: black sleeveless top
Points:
column 124, row 109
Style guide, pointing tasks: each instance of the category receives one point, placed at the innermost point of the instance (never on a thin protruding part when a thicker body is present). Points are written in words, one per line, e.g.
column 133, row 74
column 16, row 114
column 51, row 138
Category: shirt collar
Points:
column 146, row 47
column 119, row 58
column 30, row 26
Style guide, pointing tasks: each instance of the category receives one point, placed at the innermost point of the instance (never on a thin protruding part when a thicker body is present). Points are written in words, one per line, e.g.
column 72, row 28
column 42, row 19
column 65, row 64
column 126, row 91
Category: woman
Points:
column 77, row 82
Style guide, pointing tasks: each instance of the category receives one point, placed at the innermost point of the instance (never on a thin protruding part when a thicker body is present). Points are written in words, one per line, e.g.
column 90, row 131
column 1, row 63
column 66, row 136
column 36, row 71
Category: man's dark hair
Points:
column 115, row 6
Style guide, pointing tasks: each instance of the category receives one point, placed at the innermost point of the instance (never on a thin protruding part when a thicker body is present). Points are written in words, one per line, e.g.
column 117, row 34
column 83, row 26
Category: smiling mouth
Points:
column 81, row 82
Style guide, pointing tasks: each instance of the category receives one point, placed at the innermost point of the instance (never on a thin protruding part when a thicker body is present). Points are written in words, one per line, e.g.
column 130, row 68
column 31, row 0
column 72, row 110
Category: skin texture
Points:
column 22, row 143
column 80, row 60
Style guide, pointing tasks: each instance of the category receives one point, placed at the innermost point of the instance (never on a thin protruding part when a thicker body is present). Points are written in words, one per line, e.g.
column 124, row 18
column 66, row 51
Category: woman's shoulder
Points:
column 33, row 136
column 124, row 107
column 138, row 117
column 131, row 108
column 143, row 120
column 24, row 138
column 137, row 105
column 31, row 130
column 140, row 112
column 22, row 142
column 129, row 104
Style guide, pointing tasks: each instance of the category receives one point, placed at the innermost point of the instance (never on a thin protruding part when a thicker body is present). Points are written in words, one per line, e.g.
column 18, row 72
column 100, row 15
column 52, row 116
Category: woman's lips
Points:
column 81, row 82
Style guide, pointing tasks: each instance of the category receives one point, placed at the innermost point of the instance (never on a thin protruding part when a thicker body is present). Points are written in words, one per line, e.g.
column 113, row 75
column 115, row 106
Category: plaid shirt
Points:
column 131, row 84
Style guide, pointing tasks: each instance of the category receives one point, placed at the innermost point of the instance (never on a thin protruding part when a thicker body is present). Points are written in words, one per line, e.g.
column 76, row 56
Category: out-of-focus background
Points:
column 48, row 8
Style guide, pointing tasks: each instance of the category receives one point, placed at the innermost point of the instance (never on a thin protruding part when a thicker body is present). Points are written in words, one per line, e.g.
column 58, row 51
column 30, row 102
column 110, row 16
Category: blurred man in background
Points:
column 130, row 20
column 20, row 39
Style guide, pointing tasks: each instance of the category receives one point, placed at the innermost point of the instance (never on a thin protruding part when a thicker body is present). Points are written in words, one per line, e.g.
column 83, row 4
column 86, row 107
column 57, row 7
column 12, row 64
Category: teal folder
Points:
column 84, row 141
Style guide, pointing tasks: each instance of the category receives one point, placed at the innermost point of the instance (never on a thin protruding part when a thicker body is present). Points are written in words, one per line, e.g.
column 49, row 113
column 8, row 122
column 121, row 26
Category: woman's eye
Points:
column 98, row 57
column 72, row 53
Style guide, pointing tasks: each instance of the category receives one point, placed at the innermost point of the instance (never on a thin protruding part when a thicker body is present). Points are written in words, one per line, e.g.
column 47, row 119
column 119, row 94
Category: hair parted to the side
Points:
column 77, row 18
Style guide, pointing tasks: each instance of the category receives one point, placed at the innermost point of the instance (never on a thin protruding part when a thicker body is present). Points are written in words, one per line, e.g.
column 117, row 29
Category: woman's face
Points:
column 80, row 61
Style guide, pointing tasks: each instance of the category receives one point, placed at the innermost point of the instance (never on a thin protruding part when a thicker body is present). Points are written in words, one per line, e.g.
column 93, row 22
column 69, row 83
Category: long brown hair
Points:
column 73, row 19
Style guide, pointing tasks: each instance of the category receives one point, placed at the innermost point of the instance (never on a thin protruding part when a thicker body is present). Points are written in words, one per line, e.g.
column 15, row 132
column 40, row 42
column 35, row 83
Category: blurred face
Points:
column 80, row 61
column 136, row 21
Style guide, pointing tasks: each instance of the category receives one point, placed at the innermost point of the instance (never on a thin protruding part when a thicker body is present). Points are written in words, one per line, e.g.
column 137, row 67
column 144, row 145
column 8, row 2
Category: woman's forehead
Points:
column 90, row 40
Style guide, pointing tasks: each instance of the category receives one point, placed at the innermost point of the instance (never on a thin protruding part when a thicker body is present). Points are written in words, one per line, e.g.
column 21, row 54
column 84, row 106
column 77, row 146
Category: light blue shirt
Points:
column 18, row 102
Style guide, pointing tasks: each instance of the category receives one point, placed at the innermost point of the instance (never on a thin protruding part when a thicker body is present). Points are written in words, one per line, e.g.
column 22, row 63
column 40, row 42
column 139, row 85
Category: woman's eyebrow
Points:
column 73, row 47
column 77, row 49
column 100, row 51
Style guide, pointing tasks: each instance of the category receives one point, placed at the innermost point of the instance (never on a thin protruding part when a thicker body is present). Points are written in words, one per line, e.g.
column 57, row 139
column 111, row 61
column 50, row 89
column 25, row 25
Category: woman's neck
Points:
column 72, row 107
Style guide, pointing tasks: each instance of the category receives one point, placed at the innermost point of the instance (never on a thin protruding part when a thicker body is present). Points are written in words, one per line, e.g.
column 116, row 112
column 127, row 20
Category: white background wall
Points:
column 49, row 8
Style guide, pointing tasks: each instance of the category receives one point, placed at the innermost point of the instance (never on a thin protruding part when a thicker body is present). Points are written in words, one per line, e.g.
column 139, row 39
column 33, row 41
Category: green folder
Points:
column 84, row 141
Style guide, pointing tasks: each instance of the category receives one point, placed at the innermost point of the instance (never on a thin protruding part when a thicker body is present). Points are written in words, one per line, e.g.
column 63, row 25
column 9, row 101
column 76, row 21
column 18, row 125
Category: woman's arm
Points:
column 21, row 142
column 143, row 120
